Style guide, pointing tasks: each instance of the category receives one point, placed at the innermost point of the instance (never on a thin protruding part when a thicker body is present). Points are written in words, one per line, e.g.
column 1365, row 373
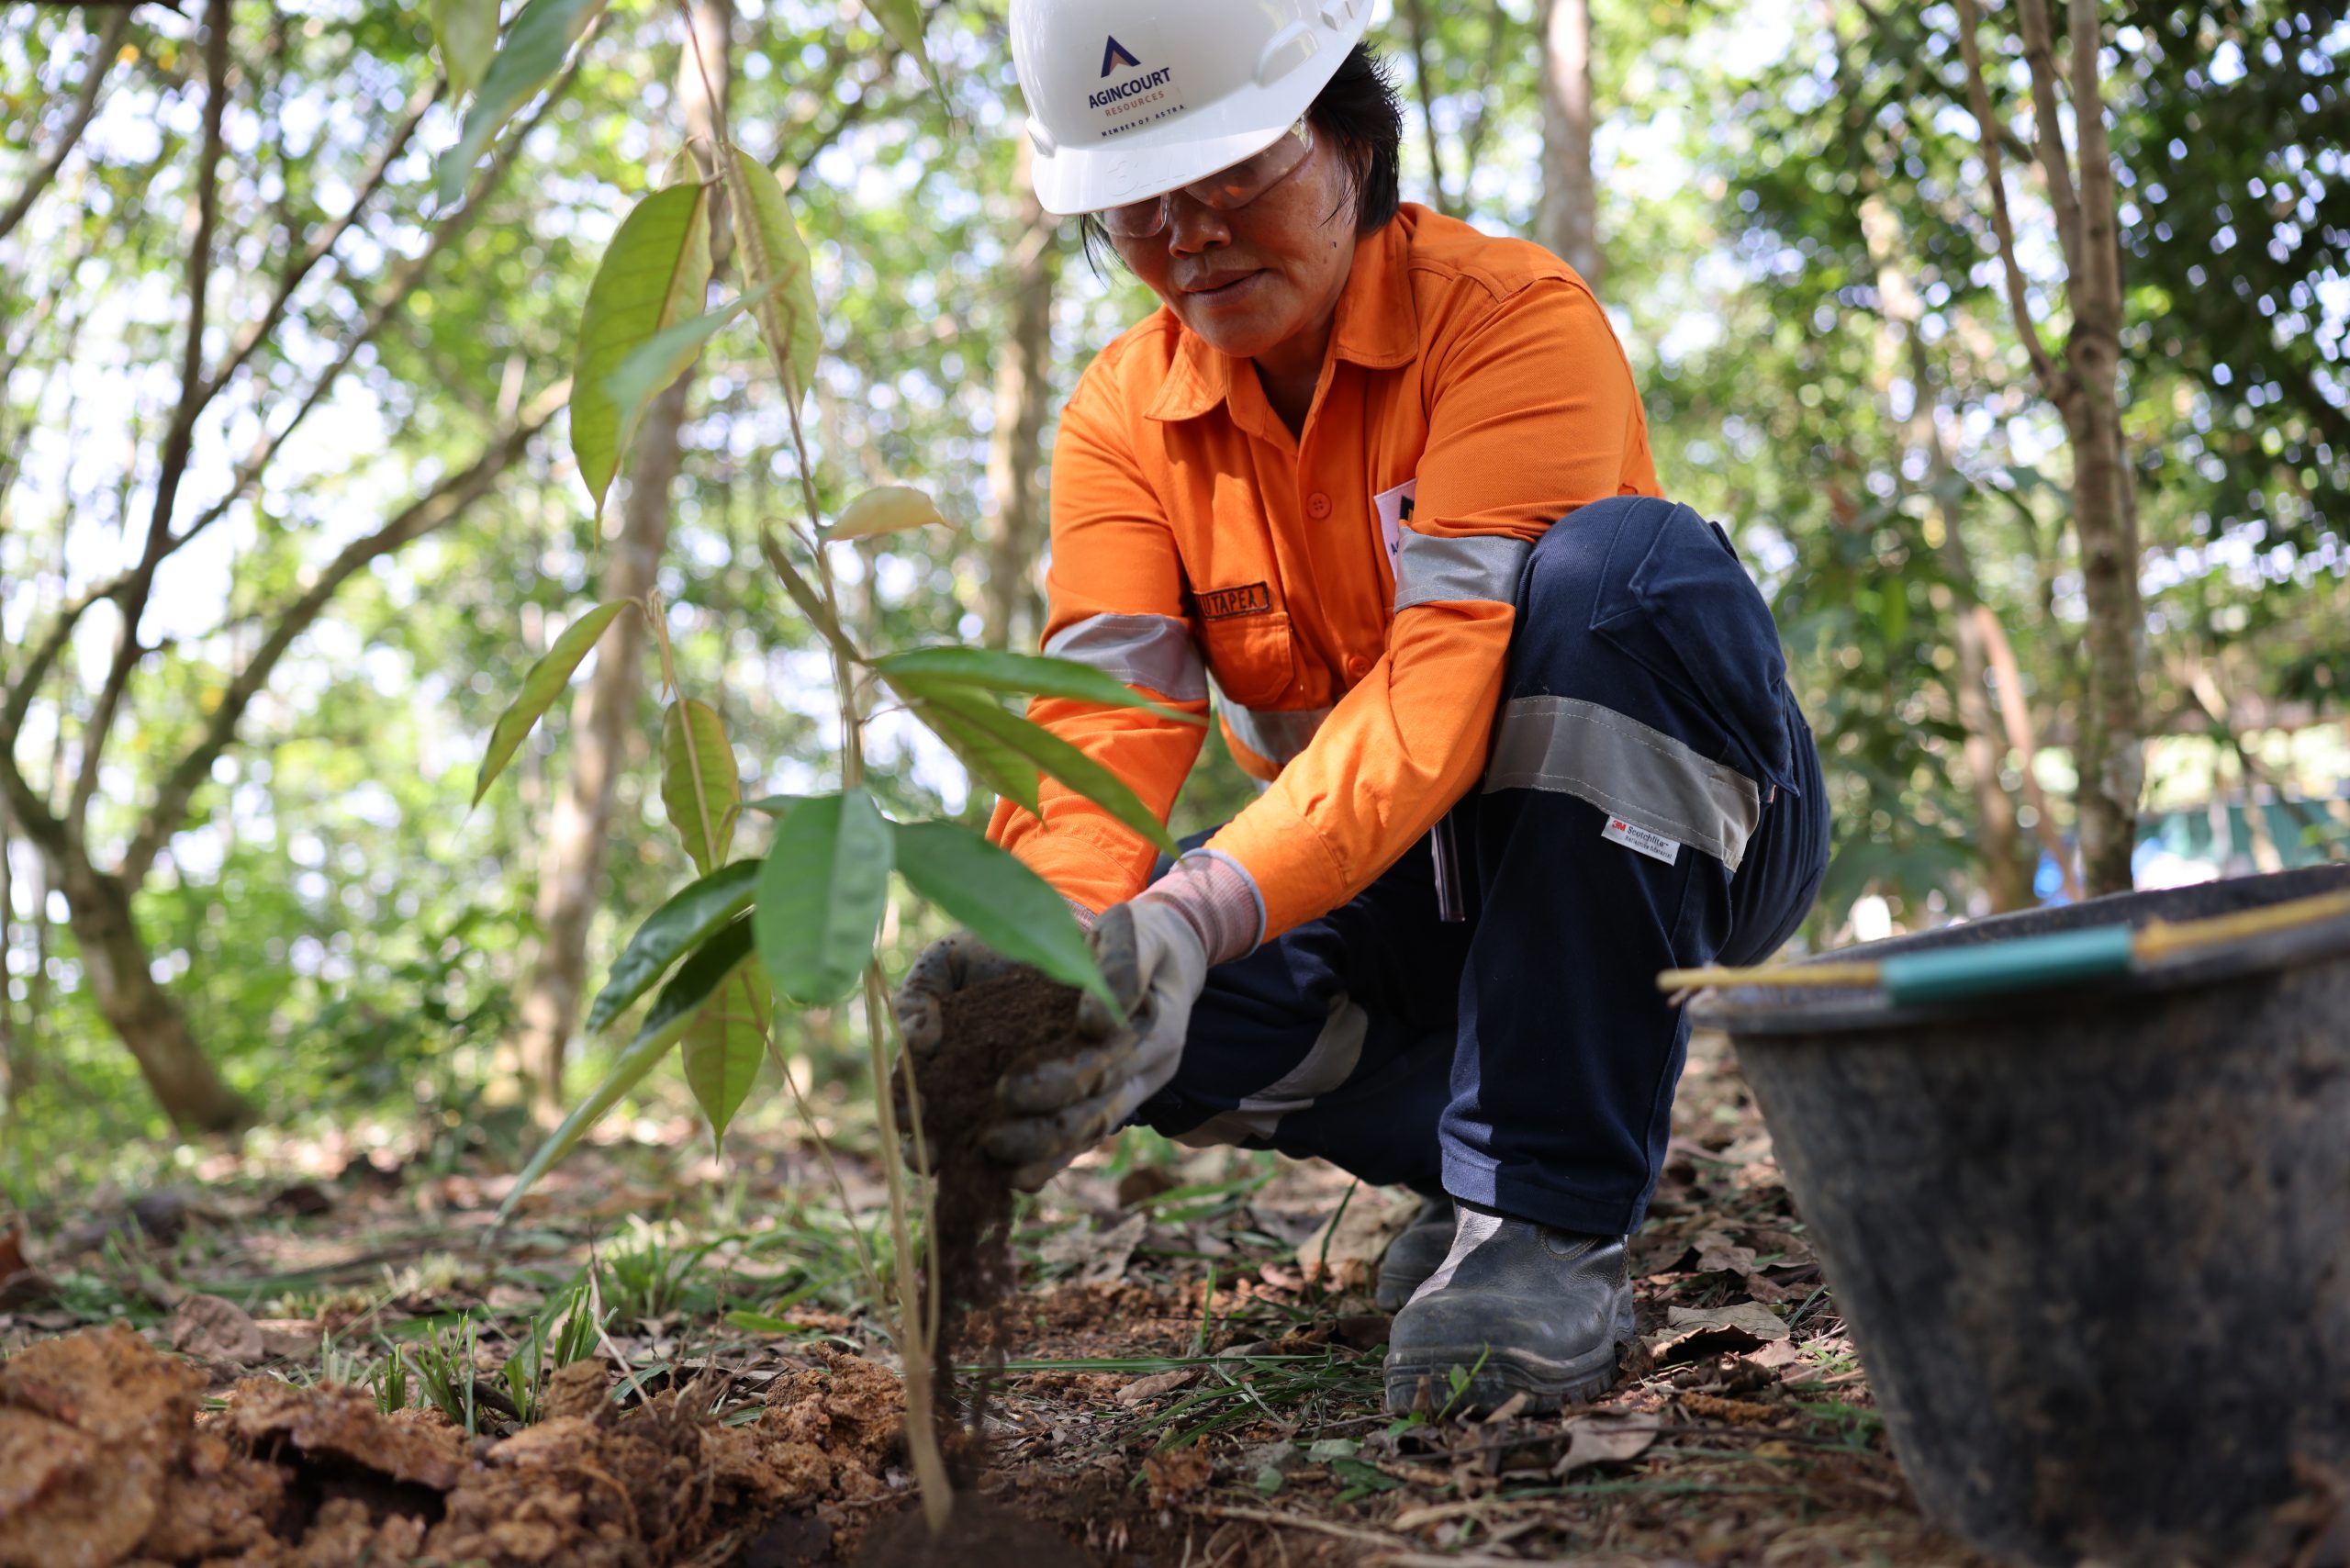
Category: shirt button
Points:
column 1357, row 666
column 1317, row 506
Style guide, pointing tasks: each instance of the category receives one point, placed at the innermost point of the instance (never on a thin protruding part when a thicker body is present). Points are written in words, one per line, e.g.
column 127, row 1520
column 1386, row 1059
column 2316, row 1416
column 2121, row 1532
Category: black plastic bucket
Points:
column 2093, row 1245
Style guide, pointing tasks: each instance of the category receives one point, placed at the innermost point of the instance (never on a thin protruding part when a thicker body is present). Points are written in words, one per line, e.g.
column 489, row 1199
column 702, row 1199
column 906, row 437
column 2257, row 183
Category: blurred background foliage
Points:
column 1795, row 233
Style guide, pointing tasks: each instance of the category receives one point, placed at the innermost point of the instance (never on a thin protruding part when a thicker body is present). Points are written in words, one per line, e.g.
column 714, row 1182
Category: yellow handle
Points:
column 2157, row 939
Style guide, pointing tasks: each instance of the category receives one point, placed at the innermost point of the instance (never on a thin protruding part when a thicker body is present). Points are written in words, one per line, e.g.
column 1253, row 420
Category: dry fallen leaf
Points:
column 1099, row 1257
column 1154, row 1385
column 212, row 1329
column 1605, row 1437
column 1356, row 1237
column 290, row 1338
column 1694, row 1333
column 1717, row 1253
column 1175, row 1476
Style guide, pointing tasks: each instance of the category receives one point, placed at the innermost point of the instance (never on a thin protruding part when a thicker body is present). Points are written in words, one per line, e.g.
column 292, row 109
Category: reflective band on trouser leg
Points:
column 1156, row 652
column 1470, row 566
column 1328, row 1065
column 1276, row 735
column 1626, row 769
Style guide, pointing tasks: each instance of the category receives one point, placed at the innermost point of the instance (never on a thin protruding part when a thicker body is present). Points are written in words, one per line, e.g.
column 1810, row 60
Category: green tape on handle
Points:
column 2026, row 963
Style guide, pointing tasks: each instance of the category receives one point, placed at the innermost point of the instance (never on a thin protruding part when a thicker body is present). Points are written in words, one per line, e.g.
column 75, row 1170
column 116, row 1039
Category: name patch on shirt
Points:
column 1218, row 604
column 1393, row 508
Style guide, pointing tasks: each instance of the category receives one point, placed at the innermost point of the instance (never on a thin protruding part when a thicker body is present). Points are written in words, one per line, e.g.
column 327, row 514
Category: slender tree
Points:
column 571, row 871
column 1013, row 614
column 2084, row 388
column 54, row 817
column 1568, row 222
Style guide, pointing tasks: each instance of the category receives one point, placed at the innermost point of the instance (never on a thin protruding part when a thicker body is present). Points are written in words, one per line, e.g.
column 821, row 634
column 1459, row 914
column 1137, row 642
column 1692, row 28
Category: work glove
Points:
column 945, row 967
column 1154, row 951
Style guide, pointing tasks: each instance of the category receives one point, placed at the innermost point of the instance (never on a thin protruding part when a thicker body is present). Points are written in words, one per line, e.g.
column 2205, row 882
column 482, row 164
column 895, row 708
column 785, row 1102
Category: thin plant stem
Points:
column 820, row 605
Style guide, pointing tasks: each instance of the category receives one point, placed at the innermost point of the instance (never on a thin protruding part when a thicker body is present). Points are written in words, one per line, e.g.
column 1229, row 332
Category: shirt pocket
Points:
column 1251, row 656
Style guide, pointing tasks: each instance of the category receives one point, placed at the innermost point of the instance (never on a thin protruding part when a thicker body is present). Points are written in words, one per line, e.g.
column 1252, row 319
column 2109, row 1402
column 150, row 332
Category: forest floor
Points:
column 1195, row 1381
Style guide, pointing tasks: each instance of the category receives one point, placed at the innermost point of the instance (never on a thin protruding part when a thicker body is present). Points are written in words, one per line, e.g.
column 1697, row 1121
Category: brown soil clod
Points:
column 979, row 1534
column 987, row 1030
column 104, row 1459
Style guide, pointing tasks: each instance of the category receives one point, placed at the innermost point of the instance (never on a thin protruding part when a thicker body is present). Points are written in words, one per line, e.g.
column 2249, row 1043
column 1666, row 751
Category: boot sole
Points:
column 1547, row 1384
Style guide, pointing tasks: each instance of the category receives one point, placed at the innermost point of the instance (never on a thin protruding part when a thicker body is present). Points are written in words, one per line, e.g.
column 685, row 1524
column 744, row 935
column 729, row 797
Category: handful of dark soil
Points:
column 987, row 1030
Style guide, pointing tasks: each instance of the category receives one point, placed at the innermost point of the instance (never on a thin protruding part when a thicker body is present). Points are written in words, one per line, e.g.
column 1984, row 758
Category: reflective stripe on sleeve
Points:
column 1628, row 770
column 1276, row 735
column 1474, row 565
column 1156, row 652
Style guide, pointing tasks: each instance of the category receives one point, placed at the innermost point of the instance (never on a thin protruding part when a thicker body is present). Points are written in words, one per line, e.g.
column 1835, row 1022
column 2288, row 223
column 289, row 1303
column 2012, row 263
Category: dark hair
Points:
column 1358, row 111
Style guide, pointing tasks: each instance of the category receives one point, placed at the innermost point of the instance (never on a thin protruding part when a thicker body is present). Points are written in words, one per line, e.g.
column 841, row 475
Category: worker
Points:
column 1382, row 482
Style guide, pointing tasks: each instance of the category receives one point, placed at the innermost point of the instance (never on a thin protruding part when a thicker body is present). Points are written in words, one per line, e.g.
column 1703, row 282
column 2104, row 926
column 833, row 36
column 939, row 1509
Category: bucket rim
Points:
column 1749, row 1011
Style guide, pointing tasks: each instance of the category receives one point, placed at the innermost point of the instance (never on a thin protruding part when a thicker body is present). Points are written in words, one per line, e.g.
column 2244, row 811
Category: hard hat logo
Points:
column 1114, row 54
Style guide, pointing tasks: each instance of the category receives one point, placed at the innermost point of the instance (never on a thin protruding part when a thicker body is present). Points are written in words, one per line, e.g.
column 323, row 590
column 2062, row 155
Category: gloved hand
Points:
column 1154, row 952
column 945, row 967
column 1155, row 965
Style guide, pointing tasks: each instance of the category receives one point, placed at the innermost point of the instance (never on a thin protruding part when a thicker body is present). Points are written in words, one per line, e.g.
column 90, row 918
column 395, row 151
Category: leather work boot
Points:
column 1519, row 1308
column 1414, row 1256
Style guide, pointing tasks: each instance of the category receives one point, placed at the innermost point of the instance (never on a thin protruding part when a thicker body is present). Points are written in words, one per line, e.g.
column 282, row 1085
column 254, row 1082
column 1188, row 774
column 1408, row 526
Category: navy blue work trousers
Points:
column 1653, row 800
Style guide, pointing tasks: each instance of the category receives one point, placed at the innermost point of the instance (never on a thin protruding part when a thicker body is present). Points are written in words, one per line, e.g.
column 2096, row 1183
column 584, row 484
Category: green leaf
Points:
column 654, row 275
column 890, row 509
column 723, row 1046
column 1060, row 760
column 466, row 32
column 680, row 1002
column 656, row 363
column 992, row 669
column 820, row 895
column 775, row 805
column 777, row 264
column 991, row 762
column 535, row 46
column 699, row 784
column 901, row 21
column 1003, row 902
column 694, row 913
column 540, row 686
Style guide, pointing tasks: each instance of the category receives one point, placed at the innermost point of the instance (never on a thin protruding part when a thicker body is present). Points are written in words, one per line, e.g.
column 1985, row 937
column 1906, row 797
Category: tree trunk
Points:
column 1014, row 613
column 2087, row 392
column 12, row 1056
column 122, row 983
column 1568, row 221
column 571, row 864
column 2105, row 518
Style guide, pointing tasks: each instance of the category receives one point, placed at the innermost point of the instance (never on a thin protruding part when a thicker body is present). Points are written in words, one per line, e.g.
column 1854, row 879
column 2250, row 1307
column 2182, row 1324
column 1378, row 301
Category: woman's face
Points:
column 1256, row 278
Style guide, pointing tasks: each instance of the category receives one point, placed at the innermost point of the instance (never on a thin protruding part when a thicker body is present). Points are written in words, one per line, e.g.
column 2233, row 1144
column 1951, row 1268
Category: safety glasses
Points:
column 1226, row 190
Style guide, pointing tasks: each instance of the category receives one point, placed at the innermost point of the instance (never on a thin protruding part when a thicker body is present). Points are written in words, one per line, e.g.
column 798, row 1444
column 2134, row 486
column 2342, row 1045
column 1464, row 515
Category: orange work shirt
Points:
column 1346, row 592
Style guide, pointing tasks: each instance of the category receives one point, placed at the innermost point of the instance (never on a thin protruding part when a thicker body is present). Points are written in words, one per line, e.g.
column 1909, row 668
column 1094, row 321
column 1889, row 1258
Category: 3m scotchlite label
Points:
column 1276, row 735
column 1628, row 770
column 1655, row 846
column 1472, row 566
column 1155, row 652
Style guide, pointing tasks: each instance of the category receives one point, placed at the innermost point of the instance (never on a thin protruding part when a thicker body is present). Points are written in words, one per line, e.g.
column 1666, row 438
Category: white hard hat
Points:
column 1128, row 99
